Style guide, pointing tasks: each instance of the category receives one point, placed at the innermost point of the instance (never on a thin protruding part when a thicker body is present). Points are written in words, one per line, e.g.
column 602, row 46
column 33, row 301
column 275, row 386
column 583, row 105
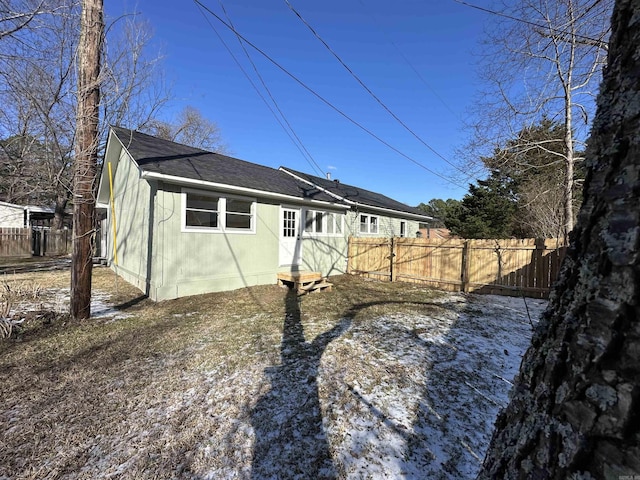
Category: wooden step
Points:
column 315, row 287
column 304, row 282
column 298, row 277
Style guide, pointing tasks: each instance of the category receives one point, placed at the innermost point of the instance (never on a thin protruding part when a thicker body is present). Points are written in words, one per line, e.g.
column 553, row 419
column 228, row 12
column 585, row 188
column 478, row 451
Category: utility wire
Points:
column 369, row 91
column 404, row 57
column 595, row 41
column 313, row 165
column 310, row 158
column 323, row 100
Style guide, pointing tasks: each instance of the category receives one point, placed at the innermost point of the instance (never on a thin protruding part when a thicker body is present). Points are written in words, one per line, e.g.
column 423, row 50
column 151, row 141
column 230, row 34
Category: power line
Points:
column 312, row 163
column 323, row 100
column 404, row 57
column 595, row 41
column 369, row 91
column 264, row 84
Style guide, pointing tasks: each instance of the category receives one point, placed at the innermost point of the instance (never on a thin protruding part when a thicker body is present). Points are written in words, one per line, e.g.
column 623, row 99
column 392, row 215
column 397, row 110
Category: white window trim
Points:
column 368, row 223
column 222, row 213
column 403, row 223
column 339, row 220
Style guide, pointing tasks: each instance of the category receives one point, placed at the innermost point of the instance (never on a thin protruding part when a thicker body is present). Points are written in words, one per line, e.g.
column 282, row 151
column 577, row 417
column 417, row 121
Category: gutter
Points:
column 355, row 205
column 233, row 189
column 412, row 216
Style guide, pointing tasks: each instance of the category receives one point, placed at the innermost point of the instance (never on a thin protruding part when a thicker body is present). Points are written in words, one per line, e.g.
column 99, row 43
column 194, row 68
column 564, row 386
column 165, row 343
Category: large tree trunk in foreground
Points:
column 576, row 404
column 91, row 35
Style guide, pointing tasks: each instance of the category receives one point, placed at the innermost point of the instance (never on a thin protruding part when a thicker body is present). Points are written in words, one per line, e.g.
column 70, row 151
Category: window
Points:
column 368, row 224
column 313, row 221
column 322, row 223
column 216, row 213
column 238, row 213
column 289, row 229
column 202, row 211
column 403, row 229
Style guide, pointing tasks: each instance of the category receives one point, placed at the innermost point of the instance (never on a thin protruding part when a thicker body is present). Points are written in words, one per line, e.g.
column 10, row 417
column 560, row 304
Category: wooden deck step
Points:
column 304, row 282
column 316, row 287
column 299, row 277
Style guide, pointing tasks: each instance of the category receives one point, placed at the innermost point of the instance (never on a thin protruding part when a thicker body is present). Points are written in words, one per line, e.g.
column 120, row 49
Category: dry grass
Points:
column 133, row 396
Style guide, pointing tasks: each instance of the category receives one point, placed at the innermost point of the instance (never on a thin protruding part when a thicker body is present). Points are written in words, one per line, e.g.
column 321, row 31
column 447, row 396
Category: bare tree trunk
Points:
column 90, row 46
column 568, row 133
column 574, row 409
column 58, row 214
column 569, row 173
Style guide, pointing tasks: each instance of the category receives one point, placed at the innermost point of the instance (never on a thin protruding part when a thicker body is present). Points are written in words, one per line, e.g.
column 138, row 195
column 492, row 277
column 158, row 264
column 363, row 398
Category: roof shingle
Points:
column 164, row 157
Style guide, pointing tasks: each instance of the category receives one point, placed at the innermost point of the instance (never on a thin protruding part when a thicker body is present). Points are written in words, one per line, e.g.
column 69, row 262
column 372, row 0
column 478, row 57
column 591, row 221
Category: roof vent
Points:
column 328, row 175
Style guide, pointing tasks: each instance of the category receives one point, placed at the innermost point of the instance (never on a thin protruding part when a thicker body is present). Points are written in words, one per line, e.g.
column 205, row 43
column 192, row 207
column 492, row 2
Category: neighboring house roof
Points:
column 12, row 205
column 170, row 161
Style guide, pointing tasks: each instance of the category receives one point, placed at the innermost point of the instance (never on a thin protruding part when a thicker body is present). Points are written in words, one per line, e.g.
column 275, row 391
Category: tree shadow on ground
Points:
column 290, row 441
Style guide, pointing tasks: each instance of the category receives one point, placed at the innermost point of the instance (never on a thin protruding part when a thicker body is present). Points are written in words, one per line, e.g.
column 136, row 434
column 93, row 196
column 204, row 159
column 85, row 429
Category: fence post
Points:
column 392, row 260
column 464, row 275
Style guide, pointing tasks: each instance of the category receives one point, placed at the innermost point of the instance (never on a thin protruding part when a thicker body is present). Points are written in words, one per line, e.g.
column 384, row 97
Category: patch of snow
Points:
column 398, row 396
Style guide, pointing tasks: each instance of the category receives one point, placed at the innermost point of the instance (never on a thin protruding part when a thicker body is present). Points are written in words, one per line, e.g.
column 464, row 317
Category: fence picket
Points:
column 15, row 242
column 507, row 267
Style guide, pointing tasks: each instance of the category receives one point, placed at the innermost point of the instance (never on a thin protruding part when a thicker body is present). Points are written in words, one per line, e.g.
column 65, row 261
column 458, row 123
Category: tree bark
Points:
column 575, row 408
column 58, row 214
column 86, row 153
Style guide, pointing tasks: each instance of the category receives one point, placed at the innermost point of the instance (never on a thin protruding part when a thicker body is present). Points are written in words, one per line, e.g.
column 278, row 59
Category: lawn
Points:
column 370, row 380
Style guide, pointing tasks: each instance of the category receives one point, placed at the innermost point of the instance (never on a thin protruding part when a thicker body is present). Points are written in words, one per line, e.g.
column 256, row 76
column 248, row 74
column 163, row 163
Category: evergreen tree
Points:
column 534, row 160
column 487, row 211
column 442, row 211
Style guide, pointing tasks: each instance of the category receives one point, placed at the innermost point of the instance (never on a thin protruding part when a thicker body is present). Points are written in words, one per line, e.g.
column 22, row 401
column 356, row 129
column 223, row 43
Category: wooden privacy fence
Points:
column 51, row 243
column 15, row 242
column 24, row 242
column 505, row 267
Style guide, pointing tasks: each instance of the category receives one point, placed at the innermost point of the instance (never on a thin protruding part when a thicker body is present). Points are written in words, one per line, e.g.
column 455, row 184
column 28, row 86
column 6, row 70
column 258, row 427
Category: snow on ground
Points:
column 410, row 396
column 57, row 300
column 403, row 396
column 425, row 405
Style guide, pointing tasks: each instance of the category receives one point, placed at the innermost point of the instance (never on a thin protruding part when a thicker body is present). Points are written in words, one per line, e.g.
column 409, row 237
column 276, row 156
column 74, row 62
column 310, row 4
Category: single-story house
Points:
column 11, row 215
column 26, row 216
column 183, row 221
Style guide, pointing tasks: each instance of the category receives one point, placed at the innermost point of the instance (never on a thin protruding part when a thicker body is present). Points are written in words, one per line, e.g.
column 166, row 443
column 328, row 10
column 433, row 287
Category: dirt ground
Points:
column 358, row 382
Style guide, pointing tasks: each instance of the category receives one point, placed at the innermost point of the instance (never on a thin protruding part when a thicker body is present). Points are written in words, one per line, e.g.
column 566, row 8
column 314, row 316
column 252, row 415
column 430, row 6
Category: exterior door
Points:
column 290, row 240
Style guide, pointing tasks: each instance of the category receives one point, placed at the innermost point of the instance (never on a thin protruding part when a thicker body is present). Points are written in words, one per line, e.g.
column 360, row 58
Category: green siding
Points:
column 131, row 200
column 188, row 262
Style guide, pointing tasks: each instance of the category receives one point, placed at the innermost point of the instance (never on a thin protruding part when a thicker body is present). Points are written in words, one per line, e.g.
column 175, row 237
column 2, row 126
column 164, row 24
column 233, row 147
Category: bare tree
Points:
column 134, row 90
column 38, row 122
column 38, row 93
column 189, row 128
column 574, row 408
column 19, row 15
column 542, row 59
column 86, row 155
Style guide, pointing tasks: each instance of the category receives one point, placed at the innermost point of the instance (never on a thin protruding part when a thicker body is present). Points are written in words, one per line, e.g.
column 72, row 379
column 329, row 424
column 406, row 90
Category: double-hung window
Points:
column 211, row 212
column 239, row 214
column 368, row 224
column 202, row 211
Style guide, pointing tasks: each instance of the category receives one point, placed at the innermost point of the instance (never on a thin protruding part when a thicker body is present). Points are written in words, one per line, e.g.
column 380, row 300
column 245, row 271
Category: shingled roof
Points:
column 164, row 157
column 171, row 159
column 355, row 194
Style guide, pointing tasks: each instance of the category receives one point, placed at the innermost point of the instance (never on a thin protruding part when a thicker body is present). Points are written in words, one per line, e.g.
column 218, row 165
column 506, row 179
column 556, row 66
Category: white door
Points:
column 290, row 240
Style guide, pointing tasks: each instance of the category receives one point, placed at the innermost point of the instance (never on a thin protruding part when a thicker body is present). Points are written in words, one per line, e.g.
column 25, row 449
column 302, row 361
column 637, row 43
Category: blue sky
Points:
column 383, row 42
